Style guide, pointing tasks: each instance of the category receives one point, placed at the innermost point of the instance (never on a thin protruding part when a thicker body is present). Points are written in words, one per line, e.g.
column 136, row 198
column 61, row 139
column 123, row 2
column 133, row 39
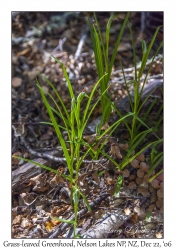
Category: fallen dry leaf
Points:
column 17, row 219
column 134, row 218
column 105, row 126
column 56, row 180
column 115, row 151
column 25, row 223
column 124, row 146
column 159, row 235
column 110, row 181
column 48, row 226
column 127, row 211
column 40, row 183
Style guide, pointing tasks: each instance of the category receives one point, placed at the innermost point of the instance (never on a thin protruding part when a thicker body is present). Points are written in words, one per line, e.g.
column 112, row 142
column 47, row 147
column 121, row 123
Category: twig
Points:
column 80, row 45
column 50, row 157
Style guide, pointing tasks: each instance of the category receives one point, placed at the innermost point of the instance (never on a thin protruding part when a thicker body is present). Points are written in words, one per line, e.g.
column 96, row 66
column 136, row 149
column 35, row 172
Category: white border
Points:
column 5, row 93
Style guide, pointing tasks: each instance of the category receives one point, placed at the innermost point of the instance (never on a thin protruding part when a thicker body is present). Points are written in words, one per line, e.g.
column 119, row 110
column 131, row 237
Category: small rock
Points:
column 16, row 82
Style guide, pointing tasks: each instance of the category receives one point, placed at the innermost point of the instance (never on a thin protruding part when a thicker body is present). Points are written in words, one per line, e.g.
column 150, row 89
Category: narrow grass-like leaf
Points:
column 129, row 159
column 63, row 220
column 156, row 164
column 119, row 184
column 153, row 177
column 85, row 115
column 86, row 202
column 66, row 76
column 148, row 216
column 134, row 52
column 108, row 26
column 43, row 166
column 57, row 129
column 145, row 56
column 56, row 92
column 116, row 46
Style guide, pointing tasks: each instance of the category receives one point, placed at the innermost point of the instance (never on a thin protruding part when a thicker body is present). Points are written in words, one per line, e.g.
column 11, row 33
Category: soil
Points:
column 40, row 196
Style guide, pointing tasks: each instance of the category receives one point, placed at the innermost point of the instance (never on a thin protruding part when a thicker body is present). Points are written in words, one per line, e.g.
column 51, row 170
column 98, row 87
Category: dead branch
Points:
column 105, row 226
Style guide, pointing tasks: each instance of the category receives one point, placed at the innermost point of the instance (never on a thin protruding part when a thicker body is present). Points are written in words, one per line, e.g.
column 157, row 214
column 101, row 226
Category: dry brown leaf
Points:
column 137, row 210
column 40, row 183
column 56, row 180
column 25, row 222
column 95, row 177
column 48, row 226
column 115, row 151
column 105, row 126
column 134, row 218
column 110, row 181
column 16, row 82
column 159, row 235
column 16, row 161
column 127, row 211
column 124, row 146
column 17, row 219
column 90, row 138
column 81, row 179
column 58, row 211
column 27, row 198
column 24, row 52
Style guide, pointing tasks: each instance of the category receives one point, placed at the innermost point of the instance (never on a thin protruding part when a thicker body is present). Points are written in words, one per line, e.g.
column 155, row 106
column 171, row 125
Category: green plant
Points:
column 136, row 104
column 156, row 157
column 137, row 138
column 74, row 123
column 103, row 63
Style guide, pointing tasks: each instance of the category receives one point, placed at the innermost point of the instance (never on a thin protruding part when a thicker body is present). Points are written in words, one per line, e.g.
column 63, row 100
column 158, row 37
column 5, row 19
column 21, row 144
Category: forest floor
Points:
column 37, row 194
